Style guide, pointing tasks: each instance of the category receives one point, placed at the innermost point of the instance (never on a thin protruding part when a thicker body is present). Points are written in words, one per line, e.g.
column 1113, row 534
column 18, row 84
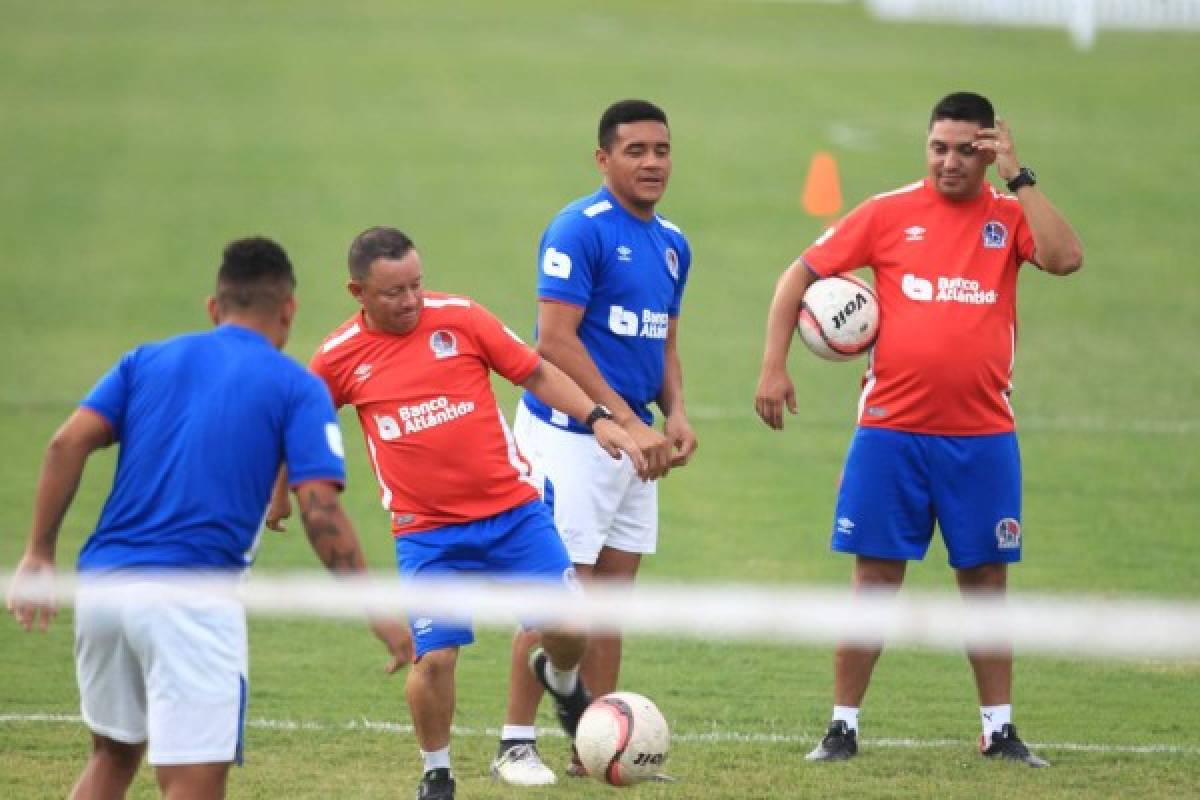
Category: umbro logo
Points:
column 362, row 372
column 624, row 253
column 914, row 233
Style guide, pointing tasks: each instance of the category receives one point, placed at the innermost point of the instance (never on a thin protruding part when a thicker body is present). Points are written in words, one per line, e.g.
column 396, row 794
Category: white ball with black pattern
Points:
column 623, row 739
column 839, row 318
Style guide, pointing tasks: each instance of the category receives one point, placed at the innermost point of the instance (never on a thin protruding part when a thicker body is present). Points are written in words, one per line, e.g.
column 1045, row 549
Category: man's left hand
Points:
column 278, row 511
column 999, row 141
column 615, row 440
column 398, row 641
column 31, row 593
column 683, row 439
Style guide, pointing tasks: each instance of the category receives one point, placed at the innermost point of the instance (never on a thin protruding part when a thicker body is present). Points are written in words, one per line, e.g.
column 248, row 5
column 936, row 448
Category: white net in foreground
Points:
column 1088, row 626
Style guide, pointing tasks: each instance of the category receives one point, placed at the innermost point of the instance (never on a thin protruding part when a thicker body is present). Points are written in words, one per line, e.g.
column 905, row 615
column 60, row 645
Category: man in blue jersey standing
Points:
column 203, row 420
column 611, row 274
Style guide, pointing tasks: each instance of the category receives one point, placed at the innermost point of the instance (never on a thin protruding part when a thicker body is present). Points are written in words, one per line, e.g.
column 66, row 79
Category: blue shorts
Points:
column 896, row 485
column 516, row 546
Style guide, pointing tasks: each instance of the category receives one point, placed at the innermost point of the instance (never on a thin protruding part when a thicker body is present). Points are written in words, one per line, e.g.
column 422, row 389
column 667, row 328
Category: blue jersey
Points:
column 628, row 275
column 204, row 421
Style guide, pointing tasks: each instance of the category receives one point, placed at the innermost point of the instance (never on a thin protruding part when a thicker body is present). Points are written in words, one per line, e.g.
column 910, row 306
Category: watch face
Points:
column 1023, row 178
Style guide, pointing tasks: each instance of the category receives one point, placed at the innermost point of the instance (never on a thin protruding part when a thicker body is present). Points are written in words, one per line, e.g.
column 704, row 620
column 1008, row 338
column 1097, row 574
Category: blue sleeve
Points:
column 567, row 260
column 685, row 269
column 312, row 440
column 110, row 396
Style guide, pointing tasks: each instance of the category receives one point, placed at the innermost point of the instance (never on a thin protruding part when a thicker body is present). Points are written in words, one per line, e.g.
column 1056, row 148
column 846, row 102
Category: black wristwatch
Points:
column 598, row 413
column 1024, row 177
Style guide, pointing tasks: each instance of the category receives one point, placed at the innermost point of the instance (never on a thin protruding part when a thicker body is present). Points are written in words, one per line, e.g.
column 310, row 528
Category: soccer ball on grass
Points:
column 622, row 739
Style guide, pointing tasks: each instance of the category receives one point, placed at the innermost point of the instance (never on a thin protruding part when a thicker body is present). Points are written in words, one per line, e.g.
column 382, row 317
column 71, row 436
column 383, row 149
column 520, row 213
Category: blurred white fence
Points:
column 1069, row 626
column 1082, row 18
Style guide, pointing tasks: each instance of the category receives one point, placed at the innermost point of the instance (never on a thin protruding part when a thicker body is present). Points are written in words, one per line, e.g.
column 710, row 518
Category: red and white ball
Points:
column 622, row 739
column 839, row 318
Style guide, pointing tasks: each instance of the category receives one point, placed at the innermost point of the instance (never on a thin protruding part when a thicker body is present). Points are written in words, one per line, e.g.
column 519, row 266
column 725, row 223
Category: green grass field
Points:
column 138, row 137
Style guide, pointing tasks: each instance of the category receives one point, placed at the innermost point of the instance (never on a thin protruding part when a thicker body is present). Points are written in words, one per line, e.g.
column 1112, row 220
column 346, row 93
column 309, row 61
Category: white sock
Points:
column 562, row 681
column 994, row 718
column 436, row 759
column 848, row 714
column 525, row 733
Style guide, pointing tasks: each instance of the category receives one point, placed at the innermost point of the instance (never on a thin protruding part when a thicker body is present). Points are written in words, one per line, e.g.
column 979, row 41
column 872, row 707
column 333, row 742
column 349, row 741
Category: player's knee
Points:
column 436, row 665
column 984, row 577
column 193, row 781
column 119, row 755
column 878, row 573
column 564, row 648
column 525, row 639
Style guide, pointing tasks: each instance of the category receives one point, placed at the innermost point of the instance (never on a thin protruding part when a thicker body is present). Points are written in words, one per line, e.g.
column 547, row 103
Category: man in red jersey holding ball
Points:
column 935, row 439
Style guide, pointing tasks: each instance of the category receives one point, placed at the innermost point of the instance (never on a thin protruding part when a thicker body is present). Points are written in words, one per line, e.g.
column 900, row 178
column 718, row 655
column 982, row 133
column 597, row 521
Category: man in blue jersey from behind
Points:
column 203, row 421
column 611, row 274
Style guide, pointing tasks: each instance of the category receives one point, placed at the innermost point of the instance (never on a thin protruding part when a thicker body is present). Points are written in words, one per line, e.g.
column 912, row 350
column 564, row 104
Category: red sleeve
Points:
column 320, row 367
column 1024, row 239
column 502, row 350
column 846, row 245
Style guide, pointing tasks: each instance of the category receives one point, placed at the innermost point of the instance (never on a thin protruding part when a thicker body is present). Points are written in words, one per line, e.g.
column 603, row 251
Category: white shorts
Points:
column 598, row 502
column 170, row 671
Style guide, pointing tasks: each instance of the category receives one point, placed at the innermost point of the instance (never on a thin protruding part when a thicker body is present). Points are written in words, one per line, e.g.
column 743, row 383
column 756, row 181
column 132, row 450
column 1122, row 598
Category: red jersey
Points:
column 946, row 276
column 440, row 447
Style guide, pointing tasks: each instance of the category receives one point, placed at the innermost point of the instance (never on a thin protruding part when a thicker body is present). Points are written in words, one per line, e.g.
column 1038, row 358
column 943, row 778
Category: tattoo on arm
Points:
column 320, row 518
column 329, row 533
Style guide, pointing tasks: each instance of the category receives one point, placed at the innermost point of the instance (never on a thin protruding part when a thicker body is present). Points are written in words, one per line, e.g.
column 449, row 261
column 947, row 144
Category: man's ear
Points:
column 214, row 311
column 288, row 312
column 355, row 289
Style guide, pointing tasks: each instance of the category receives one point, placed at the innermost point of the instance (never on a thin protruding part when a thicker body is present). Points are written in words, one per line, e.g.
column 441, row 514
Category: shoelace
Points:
column 519, row 752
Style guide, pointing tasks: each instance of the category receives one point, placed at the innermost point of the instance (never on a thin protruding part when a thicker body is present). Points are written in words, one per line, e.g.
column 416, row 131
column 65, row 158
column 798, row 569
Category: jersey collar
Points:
column 981, row 198
column 242, row 332
column 361, row 319
column 606, row 194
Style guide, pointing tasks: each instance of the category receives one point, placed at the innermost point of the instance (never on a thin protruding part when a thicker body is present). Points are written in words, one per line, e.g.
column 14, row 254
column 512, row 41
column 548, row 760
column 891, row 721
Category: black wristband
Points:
column 598, row 413
column 1023, row 178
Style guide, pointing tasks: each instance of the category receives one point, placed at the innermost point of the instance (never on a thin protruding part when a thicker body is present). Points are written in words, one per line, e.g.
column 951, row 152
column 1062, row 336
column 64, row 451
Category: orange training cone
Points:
column 822, row 189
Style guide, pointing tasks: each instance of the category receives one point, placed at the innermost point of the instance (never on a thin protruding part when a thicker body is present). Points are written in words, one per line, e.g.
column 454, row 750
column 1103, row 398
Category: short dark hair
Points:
column 966, row 107
column 626, row 111
column 373, row 243
column 255, row 275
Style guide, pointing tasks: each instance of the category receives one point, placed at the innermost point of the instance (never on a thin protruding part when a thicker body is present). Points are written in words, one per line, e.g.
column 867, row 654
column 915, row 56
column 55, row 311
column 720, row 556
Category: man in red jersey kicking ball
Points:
column 417, row 367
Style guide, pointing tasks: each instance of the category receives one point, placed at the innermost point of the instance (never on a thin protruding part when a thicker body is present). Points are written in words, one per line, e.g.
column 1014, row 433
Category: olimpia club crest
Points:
column 443, row 344
column 995, row 235
column 672, row 262
column 1008, row 534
